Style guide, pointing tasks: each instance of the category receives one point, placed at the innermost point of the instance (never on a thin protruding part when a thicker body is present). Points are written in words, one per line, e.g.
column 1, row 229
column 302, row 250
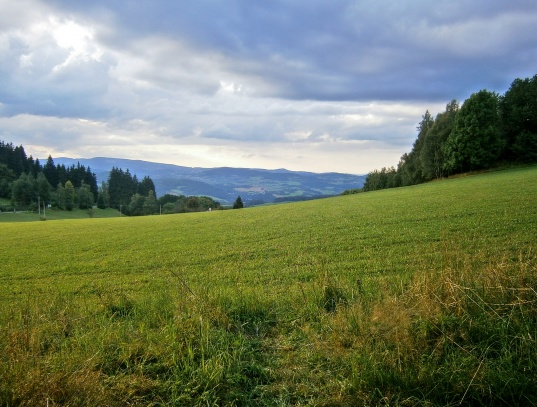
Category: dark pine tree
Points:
column 238, row 204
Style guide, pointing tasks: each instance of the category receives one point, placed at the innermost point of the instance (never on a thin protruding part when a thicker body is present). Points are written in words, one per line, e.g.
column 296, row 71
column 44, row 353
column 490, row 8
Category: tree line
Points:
column 131, row 197
column 487, row 130
column 28, row 185
column 121, row 188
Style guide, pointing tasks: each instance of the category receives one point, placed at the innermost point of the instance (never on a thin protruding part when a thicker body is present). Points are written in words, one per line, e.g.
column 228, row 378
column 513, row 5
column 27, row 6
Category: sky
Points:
column 316, row 85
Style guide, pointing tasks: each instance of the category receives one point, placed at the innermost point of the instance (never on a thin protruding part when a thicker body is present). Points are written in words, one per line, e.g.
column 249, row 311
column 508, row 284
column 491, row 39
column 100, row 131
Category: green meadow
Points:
column 416, row 296
column 55, row 214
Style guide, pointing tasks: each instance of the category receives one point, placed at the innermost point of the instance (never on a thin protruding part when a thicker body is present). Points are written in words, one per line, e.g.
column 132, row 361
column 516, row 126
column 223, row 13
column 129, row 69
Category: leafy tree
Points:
column 60, row 197
column 475, row 141
column 238, row 204
column 206, row 203
column 168, row 208
column 524, row 148
column 352, row 191
column 169, row 198
column 136, row 205
column 385, row 178
column 518, row 110
column 407, row 168
column 85, row 196
column 150, row 204
column 101, row 204
column 23, row 190
column 183, row 203
column 486, row 129
column 43, row 188
column 410, row 166
column 432, row 153
column 192, row 203
column 103, row 197
column 69, row 197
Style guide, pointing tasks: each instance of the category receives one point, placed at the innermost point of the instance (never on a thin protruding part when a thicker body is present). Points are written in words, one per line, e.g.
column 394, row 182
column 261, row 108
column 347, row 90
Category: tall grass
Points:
column 417, row 296
column 458, row 335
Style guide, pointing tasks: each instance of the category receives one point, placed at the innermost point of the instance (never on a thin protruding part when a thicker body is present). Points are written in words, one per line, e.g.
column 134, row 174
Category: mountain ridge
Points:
column 254, row 185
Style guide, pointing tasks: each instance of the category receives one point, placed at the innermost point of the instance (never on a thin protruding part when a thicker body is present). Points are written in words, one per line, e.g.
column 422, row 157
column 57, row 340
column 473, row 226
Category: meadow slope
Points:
column 421, row 295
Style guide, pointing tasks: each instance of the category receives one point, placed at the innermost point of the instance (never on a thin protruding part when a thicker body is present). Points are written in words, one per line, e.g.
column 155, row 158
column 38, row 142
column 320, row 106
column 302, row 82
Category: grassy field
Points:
column 54, row 214
column 422, row 295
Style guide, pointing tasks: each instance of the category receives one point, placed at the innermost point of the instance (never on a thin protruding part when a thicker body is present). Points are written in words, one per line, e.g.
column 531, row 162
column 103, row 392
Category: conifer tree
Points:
column 238, row 204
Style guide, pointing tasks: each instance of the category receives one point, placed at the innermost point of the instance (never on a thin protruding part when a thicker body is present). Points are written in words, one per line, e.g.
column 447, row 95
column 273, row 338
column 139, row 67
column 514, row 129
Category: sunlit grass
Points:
column 414, row 296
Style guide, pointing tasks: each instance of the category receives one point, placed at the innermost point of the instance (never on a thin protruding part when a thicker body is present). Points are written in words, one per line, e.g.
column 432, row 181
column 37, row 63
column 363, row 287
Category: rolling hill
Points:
column 255, row 186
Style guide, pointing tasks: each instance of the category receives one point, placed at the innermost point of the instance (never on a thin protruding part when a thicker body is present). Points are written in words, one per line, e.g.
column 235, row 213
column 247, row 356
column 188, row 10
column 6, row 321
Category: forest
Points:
column 487, row 131
column 28, row 185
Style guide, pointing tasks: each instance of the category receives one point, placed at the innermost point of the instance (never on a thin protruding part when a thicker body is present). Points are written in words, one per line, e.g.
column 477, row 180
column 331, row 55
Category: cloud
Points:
column 342, row 50
column 51, row 66
column 279, row 84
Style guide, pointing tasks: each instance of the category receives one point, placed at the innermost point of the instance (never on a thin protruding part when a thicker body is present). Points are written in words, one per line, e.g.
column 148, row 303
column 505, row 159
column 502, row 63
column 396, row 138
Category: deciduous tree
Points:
column 518, row 110
column 150, row 204
column 85, row 196
column 69, row 198
column 43, row 188
column 475, row 141
column 432, row 154
column 410, row 167
column 136, row 205
column 24, row 190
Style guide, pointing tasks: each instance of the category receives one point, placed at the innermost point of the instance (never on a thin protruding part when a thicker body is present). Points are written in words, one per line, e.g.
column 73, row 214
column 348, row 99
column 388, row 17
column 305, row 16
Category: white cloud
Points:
column 78, row 40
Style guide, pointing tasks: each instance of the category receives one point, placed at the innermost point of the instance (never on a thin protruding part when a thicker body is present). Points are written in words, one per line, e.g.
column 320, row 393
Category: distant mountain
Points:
column 255, row 186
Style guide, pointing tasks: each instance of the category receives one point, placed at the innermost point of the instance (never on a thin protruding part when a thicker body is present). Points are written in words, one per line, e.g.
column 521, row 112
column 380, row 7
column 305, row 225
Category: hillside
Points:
column 421, row 295
column 225, row 184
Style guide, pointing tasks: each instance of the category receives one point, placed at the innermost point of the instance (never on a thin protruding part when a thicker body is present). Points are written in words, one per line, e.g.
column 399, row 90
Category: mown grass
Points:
column 415, row 296
column 54, row 214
